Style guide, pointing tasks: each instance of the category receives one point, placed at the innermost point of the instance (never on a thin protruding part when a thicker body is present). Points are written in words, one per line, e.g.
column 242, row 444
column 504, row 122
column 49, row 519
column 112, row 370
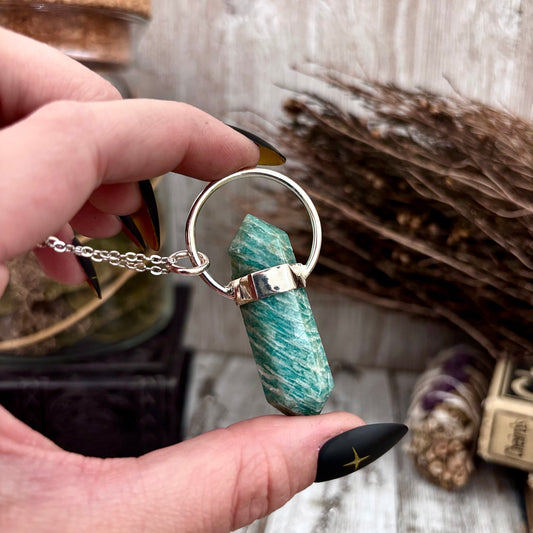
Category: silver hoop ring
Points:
column 272, row 175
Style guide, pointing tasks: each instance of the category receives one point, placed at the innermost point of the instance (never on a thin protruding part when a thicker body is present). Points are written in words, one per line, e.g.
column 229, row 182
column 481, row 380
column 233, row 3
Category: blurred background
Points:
column 241, row 60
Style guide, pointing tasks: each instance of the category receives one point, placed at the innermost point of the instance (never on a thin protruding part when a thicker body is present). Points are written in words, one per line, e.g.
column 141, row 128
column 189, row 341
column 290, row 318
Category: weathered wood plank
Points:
column 223, row 390
column 228, row 55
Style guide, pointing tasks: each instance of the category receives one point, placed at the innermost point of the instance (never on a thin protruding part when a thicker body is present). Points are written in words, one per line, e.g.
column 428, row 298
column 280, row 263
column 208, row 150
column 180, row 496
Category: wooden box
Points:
column 506, row 434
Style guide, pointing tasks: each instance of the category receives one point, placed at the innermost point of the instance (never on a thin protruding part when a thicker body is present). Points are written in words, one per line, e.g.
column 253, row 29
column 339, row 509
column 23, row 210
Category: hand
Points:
column 70, row 152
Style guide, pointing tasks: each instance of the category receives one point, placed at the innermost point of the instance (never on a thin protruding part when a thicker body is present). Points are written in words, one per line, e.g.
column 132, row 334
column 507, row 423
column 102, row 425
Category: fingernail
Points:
column 132, row 231
column 356, row 448
column 268, row 155
column 90, row 272
column 146, row 219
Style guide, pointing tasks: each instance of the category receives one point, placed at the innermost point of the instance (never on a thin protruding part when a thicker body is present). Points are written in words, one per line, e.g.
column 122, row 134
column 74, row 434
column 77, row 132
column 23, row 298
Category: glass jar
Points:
column 39, row 317
column 91, row 31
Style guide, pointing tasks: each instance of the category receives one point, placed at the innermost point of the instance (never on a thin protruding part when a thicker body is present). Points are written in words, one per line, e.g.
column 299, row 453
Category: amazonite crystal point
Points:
column 285, row 342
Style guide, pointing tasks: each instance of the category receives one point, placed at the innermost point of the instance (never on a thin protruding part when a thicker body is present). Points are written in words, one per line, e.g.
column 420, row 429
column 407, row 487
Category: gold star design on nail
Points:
column 357, row 460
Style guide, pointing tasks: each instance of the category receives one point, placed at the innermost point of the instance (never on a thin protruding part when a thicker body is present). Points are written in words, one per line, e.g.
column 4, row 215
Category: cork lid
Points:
column 99, row 31
column 137, row 7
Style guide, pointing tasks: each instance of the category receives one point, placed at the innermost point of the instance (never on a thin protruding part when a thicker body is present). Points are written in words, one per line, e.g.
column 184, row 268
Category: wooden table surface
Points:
column 388, row 496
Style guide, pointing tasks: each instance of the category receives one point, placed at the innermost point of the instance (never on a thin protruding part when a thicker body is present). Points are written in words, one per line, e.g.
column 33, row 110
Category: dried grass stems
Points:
column 426, row 202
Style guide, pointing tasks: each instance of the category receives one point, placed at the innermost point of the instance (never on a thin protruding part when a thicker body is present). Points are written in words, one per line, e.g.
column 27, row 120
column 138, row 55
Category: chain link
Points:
column 154, row 264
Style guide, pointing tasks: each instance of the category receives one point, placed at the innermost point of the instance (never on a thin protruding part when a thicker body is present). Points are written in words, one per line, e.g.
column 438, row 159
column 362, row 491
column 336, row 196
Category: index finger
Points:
column 52, row 161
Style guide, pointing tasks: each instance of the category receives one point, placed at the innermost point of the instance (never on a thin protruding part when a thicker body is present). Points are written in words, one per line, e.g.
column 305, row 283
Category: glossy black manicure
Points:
column 357, row 448
column 90, row 272
column 268, row 155
column 142, row 227
column 132, row 231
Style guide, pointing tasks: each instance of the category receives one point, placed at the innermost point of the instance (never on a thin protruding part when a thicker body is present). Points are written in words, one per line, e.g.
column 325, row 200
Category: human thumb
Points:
column 227, row 478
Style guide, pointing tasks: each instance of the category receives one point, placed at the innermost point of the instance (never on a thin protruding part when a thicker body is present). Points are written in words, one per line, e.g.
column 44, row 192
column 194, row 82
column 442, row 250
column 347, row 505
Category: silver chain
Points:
column 154, row 264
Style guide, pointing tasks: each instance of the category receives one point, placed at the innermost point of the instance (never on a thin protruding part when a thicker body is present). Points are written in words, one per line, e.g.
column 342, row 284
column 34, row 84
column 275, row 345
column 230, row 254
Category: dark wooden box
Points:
column 115, row 404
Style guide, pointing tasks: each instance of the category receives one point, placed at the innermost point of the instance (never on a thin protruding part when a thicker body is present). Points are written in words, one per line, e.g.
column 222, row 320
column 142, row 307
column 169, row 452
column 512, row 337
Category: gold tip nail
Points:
column 268, row 155
column 146, row 219
column 90, row 272
column 132, row 231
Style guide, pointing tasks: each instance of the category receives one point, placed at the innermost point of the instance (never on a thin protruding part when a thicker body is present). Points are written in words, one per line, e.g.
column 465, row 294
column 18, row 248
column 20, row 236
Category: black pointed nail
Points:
column 356, row 448
column 132, row 231
column 90, row 272
column 146, row 219
column 268, row 155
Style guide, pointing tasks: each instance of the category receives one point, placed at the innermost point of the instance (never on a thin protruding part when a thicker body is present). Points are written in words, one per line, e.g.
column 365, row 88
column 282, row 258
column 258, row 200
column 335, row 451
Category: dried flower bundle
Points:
column 445, row 415
column 426, row 202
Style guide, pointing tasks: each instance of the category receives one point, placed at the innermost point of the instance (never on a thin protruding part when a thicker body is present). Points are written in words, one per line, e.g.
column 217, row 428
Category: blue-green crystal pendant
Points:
column 285, row 342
